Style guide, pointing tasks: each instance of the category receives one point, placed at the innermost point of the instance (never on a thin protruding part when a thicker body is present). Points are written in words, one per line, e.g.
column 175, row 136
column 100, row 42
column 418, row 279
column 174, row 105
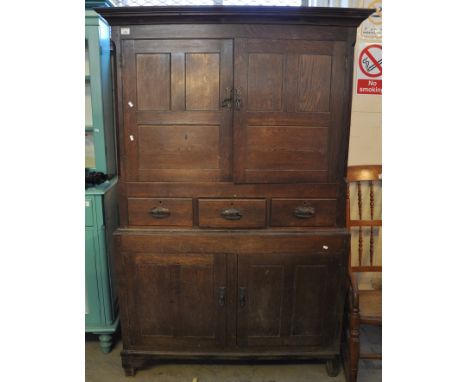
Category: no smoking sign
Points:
column 369, row 71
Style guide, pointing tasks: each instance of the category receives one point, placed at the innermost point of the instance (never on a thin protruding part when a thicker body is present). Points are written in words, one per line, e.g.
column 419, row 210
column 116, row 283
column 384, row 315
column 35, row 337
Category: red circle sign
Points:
column 370, row 60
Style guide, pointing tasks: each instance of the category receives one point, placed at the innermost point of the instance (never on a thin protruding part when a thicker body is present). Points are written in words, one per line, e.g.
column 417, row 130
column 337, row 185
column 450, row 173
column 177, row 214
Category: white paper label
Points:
column 125, row 31
column 87, row 204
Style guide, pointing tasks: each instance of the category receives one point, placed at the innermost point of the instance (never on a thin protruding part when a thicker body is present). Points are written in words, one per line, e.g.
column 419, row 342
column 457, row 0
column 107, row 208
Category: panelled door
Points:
column 290, row 109
column 287, row 299
column 175, row 128
column 178, row 300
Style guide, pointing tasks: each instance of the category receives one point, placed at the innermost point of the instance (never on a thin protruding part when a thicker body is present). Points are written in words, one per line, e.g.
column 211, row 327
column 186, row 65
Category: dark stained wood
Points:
column 284, row 142
column 314, row 72
column 185, row 113
column 178, row 118
column 202, row 81
column 235, row 14
column 180, row 212
column 233, row 241
column 227, row 189
column 129, row 126
column 284, row 176
column 287, row 138
column 277, row 76
column 251, row 213
column 363, row 268
column 282, row 212
column 177, row 81
column 288, row 118
column 370, row 356
column 179, row 147
column 168, row 311
column 264, row 89
column 285, row 299
column 283, row 160
column 153, row 86
column 337, row 99
column 179, row 175
column 207, row 31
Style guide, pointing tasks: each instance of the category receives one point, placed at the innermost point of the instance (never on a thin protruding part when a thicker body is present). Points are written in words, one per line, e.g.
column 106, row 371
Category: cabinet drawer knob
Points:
column 304, row 212
column 160, row 212
column 231, row 214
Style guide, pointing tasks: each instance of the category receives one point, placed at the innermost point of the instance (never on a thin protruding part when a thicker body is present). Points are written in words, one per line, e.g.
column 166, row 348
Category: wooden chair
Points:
column 364, row 306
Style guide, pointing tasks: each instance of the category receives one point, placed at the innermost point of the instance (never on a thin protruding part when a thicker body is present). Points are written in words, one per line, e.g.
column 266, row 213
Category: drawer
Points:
column 232, row 213
column 160, row 212
column 89, row 212
column 303, row 212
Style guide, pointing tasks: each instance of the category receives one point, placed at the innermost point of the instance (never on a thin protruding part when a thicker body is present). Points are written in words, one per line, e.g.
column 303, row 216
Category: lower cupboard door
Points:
column 176, row 300
column 289, row 300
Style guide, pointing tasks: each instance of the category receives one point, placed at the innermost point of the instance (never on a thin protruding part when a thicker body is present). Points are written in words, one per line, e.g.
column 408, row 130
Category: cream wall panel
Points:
column 365, row 144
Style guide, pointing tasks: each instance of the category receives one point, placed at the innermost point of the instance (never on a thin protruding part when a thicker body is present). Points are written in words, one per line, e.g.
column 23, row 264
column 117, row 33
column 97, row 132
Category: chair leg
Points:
column 354, row 345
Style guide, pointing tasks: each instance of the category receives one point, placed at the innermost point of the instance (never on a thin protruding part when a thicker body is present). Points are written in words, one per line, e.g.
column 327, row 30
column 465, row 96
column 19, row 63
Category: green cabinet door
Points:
column 92, row 311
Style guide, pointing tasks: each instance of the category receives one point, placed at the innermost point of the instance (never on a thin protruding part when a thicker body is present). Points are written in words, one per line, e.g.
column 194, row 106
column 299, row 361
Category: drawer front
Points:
column 160, row 212
column 89, row 212
column 303, row 212
column 232, row 213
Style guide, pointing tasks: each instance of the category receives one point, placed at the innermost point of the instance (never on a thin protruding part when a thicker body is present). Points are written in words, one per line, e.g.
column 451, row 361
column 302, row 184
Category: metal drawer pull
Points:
column 304, row 212
column 242, row 296
column 231, row 214
column 222, row 296
column 160, row 212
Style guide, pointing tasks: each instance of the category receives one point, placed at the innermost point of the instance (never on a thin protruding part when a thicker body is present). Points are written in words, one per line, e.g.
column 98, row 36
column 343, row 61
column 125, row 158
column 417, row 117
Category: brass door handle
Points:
column 160, row 212
column 231, row 214
column 303, row 212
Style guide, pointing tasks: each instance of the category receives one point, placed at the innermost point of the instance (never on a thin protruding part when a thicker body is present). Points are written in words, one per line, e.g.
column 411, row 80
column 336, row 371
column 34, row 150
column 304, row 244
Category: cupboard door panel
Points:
column 174, row 299
column 288, row 299
column 314, row 73
column 265, row 85
column 179, row 147
column 202, row 81
column 174, row 126
column 292, row 81
column 153, row 81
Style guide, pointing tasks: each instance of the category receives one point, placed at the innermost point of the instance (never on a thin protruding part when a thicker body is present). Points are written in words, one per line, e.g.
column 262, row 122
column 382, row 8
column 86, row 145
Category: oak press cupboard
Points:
column 233, row 140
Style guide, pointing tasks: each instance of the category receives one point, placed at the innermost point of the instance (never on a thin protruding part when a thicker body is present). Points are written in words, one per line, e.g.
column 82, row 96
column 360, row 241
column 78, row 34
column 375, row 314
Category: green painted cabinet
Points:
column 99, row 120
column 101, row 305
column 101, row 218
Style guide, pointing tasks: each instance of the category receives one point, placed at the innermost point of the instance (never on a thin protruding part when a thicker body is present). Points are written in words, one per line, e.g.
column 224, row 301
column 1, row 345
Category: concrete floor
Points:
column 107, row 368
